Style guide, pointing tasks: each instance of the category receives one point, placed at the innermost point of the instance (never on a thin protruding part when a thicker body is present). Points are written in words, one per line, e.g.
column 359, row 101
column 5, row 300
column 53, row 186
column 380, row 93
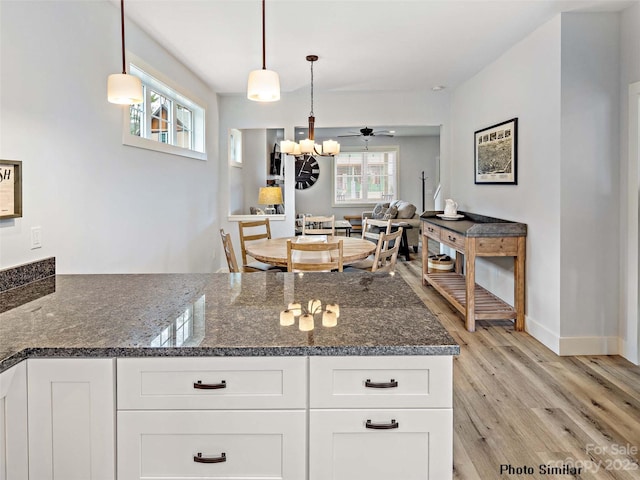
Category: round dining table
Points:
column 274, row 250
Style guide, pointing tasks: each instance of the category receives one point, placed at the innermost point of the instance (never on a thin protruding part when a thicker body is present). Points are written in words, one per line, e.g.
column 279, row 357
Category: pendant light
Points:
column 263, row 85
column 122, row 88
column 308, row 146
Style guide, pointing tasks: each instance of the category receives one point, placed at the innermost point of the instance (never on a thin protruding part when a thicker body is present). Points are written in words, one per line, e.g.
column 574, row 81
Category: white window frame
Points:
column 152, row 79
column 360, row 202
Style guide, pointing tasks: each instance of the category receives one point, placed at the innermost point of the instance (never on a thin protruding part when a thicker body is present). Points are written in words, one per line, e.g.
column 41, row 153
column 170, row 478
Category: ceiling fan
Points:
column 368, row 132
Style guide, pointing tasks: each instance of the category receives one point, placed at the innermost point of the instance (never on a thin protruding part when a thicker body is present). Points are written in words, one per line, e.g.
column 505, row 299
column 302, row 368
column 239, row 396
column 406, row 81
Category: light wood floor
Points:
column 516, row 402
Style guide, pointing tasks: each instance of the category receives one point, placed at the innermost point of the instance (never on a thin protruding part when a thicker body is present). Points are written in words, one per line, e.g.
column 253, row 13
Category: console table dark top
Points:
column 474, row 225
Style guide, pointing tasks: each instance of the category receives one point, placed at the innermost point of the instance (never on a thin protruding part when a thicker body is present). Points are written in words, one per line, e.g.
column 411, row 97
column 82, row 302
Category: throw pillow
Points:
column 406, row 210
column 379, row 210
column 390, row 213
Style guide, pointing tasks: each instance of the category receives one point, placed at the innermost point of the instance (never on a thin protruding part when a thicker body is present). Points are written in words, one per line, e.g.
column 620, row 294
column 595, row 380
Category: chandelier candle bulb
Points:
column 296, row 308
column 333, row 307
column 287, row 318
column 305, row 323
column 329, row 319
column 315, row 306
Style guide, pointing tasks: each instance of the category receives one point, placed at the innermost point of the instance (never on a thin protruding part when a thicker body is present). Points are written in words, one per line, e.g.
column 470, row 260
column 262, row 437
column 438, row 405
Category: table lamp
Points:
column 270, row 196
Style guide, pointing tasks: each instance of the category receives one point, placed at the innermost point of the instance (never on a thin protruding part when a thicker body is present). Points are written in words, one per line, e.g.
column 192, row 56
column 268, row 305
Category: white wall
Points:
column 416, row 154
column 562, row 82
column 589, row 216
column 103, row 207
column 629, row 184
column 523, row 83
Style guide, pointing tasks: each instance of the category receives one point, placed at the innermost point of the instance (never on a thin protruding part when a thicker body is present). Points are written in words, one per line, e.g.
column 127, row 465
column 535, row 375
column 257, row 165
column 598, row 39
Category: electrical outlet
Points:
column 36, row 237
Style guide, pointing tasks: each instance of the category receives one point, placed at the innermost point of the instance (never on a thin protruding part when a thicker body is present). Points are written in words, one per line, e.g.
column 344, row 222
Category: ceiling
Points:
column 370, row 46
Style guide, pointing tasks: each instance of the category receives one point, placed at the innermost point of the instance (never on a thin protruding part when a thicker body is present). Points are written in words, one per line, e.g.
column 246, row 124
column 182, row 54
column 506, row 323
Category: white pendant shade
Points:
column 306, row 146
column 124, row 89
column 263, row 86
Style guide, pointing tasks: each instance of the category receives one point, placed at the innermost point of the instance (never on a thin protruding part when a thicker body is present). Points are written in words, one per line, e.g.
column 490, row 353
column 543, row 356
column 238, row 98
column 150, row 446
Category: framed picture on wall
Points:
column 10, row 189
column 235, row 147
column 496, row 154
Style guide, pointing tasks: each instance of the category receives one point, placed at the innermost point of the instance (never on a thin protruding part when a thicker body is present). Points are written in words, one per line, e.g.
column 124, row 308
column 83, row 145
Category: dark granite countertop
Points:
column 474, row 225
column 214, row 315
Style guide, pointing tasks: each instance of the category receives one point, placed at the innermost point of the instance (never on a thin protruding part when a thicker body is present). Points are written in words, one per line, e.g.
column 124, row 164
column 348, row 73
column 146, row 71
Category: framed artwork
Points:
column 235, row 147
column 496, row 154
column 10, row 189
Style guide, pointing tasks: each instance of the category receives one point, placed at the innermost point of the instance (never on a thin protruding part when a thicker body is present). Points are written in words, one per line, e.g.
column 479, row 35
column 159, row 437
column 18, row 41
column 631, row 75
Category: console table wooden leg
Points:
column 470, row 278
column 519, row 283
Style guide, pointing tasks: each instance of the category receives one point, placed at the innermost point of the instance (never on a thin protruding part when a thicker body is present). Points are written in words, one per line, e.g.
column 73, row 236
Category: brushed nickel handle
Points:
column 201, row 459
column 209, row 386
column 391, row 384
column 382, row 426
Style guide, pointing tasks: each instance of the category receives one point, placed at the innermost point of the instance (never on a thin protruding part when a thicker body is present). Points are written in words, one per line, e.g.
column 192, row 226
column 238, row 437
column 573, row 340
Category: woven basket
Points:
column 440, row 263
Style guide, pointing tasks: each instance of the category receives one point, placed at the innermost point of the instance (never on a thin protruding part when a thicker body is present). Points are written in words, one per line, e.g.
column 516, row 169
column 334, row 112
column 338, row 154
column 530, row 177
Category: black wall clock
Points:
column 307, row 172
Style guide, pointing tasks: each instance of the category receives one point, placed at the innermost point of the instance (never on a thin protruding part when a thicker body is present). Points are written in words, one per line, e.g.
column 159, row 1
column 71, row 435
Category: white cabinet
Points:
column 212, row 418
column 381, row 417
column 14, row 457
column 71, row 419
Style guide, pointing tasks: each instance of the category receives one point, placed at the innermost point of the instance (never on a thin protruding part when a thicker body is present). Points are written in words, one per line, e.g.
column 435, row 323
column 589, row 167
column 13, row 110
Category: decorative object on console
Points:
column 263, row 85
column 271, row 196
column 308, row 146
column 450, row 211
column 10, row 189
column 496, row 154
column 122, row 88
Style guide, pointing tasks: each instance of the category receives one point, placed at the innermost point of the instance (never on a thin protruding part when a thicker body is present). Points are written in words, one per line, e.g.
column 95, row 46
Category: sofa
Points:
column 399, row 211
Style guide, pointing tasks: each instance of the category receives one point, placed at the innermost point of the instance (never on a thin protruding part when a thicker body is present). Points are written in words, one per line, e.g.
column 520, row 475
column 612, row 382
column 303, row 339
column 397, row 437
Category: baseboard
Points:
column 541, row 333
column 589, row 346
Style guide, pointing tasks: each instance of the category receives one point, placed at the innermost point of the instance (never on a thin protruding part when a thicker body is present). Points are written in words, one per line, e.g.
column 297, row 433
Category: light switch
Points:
column 36, row 237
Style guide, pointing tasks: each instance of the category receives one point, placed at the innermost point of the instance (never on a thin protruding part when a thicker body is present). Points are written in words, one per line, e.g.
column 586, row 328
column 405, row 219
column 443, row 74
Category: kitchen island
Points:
column 197, row 373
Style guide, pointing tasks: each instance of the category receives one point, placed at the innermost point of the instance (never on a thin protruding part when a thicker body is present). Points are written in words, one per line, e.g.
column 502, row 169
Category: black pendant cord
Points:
column 264, row 56
column 124, row 66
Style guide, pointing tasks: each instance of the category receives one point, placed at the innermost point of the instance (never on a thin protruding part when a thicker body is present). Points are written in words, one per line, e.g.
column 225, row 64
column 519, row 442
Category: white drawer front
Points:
column 381, row 382
column 343, row 448
column 256, row 445
column 211, row 383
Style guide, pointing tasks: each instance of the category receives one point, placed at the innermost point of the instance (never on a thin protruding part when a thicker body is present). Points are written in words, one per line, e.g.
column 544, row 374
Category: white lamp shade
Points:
column 287, row 146
column 330, row 147
column 263, row 86
column 296, row 149
column 124, row 89
column 306, row 146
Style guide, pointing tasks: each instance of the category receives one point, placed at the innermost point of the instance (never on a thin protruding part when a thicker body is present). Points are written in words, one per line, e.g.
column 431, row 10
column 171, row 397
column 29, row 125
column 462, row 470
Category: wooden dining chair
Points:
column 372, row 230
column 314, row 257
column 228, row 252
column 314, row 225
column 386, row 256
column 248, row 233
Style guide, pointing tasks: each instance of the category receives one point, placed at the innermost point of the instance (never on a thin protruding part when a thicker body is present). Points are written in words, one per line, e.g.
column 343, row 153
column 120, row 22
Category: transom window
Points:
column 166, row 121
column 365, row 177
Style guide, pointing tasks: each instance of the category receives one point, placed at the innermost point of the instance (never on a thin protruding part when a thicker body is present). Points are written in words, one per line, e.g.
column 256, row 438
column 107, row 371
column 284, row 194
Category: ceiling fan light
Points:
column 263, row 86
column 124, row 89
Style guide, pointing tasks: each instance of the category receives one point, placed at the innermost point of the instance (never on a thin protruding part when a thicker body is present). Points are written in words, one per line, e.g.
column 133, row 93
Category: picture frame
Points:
column 496, row 154
column 235, row 147
column 10, row 189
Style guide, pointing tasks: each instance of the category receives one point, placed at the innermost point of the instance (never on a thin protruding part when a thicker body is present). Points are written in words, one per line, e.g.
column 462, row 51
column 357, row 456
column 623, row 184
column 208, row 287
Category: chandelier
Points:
column 308, row 146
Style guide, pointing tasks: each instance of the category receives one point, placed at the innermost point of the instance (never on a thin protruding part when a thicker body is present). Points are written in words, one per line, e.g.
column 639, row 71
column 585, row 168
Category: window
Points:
column 166, row 121
column 365, row 177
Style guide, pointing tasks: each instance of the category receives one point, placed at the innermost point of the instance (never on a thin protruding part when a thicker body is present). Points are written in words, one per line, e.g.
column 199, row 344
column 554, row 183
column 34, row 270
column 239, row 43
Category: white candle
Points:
column 335, row 308
column 296, row 308
column 306, row 322
column 306, row 146
column 329, row 319
column 287, row 318
column 315, row 306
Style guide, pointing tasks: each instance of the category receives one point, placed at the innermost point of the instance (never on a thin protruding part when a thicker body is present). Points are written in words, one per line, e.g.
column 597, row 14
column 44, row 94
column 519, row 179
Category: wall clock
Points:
column 307, row 172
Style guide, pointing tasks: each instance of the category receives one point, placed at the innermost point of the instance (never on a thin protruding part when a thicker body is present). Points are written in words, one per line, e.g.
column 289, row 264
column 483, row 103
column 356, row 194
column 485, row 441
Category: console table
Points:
column 476, row 236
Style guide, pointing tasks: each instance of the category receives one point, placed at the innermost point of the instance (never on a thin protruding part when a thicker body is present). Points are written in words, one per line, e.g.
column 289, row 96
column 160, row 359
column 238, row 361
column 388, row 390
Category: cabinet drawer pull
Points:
column 451, row 239
column 369, row 384
column 382, row 426
column 209, row 386
column 200, row 459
